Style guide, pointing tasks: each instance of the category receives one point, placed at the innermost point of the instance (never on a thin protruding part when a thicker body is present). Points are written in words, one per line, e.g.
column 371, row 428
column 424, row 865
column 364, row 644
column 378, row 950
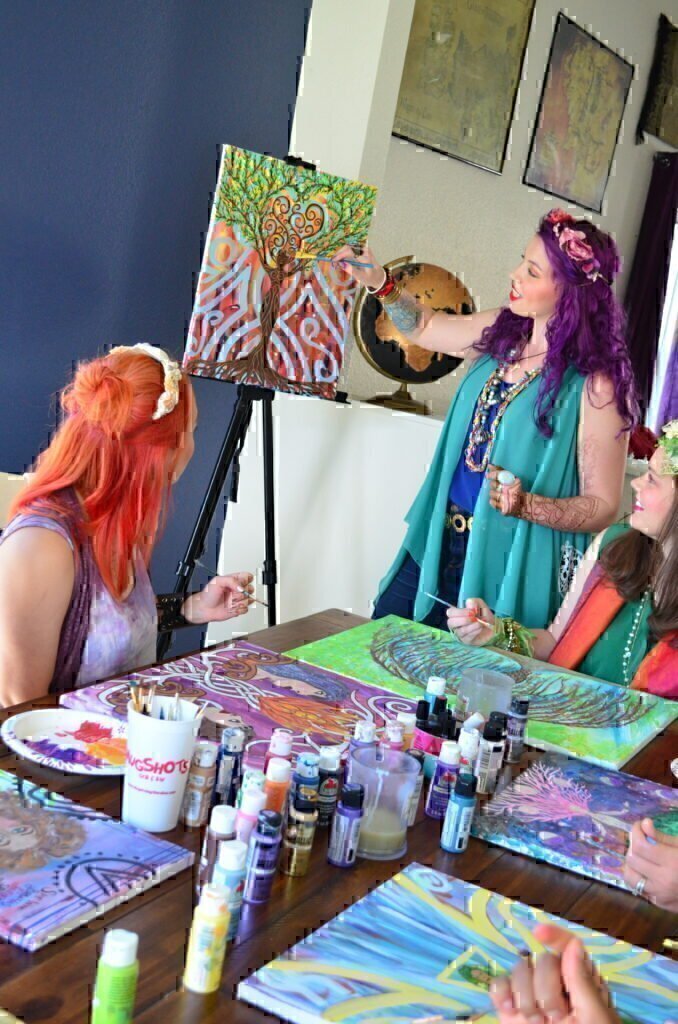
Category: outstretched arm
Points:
column 601, row 457
column 450, row 333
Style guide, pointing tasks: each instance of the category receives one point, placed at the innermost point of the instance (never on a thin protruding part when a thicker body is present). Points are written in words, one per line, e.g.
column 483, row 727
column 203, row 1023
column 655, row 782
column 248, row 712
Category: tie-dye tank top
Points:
column 121, row 635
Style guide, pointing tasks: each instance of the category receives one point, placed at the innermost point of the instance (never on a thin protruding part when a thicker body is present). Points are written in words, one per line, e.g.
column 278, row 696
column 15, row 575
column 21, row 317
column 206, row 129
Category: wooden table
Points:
column 55, row 983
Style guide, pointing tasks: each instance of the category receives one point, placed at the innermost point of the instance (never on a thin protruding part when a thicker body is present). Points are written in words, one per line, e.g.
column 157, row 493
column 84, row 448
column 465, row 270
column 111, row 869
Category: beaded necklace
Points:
column 633, row 636
column 490, row 396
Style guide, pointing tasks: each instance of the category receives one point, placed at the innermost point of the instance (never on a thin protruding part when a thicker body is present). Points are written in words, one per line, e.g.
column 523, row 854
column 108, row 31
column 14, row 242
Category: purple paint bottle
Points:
column 346, row 826
column 443, row 781
column 262, row 857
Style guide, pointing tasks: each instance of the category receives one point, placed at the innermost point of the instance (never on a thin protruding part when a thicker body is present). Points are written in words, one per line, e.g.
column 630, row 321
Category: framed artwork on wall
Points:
column 463, row 65
column 579, row 117
column 659, row 116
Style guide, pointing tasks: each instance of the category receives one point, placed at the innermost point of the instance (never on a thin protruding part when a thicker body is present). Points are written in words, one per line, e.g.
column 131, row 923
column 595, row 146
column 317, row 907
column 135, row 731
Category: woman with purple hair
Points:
column 531, row 457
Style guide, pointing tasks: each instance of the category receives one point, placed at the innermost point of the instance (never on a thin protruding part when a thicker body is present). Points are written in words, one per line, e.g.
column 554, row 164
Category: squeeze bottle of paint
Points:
column 517, row 723
column 277, row 784
column 437, row 715
column 489, row 758
column 393, row 737
column 459, row 814
column 229, row 766
column 280, row 746
column 253, row 803
column 364, row 735
column 408, row 721
column 419, row 756
column 115, row 988
column 262, row 857
column 329, row 773
column 421, row 714
column 252, row 778
column 443, row 781
column 306, row 777
column 298, row 836
column 502, row 721
column 450, row 727
column 346, row 826
column 229, row 874
column 434, row 688
column 469, row 741
column 220, row 829
column 207, row 941
column 200, row 785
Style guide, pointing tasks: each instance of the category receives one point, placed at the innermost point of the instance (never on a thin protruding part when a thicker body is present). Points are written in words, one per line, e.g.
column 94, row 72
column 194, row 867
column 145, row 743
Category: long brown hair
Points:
column 634, row 561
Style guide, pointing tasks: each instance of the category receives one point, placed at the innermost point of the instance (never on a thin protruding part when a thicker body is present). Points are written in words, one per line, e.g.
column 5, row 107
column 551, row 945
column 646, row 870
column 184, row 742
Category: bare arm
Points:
column 601, row 454
column 449, row 333
column 36, row 584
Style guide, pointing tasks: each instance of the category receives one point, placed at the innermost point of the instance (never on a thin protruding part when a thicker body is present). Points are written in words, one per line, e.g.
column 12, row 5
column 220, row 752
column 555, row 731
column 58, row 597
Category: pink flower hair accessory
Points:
column 573, row 243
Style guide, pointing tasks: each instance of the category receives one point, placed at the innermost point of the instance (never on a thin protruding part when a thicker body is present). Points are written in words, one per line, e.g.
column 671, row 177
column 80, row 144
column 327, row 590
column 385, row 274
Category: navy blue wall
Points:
column 110, row 118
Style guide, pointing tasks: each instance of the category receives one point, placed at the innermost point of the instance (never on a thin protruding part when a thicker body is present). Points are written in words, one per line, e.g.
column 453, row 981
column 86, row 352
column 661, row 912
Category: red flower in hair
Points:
column 559, row 216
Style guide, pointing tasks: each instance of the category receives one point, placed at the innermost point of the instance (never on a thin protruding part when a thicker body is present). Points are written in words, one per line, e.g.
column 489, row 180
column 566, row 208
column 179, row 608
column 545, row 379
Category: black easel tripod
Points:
column 228, row 458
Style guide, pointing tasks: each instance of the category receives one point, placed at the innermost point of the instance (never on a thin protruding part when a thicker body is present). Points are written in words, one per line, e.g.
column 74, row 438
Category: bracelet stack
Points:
column 509, row 635
column 169, row 612
column 390, row 290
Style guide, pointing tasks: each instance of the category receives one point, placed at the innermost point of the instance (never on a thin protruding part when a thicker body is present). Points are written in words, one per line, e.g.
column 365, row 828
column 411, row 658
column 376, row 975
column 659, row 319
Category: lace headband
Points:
column 170, row 396
column 573, row 243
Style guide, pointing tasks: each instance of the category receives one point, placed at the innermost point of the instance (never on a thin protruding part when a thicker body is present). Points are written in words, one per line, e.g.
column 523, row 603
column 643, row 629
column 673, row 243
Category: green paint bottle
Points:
column 116, row 983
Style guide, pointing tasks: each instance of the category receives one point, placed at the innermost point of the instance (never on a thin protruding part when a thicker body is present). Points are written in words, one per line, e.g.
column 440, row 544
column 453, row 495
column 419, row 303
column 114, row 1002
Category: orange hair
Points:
column 115, row 455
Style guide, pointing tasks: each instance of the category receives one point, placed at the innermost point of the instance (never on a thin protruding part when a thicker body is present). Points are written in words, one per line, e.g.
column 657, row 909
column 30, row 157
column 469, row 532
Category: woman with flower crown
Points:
column 619, row 620
column 531, row 457
column 76, row 602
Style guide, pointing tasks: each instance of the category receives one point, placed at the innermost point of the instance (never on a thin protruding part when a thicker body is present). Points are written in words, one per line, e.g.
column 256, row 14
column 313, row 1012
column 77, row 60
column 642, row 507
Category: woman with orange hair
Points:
column 76, row 602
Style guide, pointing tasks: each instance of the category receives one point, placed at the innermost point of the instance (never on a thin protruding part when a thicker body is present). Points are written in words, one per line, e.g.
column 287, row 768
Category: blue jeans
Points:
column 399, row 596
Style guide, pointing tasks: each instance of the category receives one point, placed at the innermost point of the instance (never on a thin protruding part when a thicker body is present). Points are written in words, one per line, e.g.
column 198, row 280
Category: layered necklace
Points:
column 632, row 637
column 490, row 396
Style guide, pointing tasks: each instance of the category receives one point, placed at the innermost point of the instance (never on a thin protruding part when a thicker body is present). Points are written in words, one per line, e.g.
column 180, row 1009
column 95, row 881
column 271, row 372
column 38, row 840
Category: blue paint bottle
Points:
column 443, row 781
column 306, row 778
column 459, row 814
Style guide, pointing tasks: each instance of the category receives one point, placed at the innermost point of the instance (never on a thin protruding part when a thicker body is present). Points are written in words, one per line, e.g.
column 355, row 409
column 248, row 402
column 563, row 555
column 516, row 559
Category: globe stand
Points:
column 402, row 401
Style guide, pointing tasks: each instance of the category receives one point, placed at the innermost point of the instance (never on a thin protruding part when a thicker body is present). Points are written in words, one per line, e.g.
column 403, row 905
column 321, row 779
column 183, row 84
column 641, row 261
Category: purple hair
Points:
column 586, row 329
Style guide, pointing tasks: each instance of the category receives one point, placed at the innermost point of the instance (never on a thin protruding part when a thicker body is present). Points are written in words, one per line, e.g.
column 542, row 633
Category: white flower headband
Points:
column 170, row 396
column 669, row 444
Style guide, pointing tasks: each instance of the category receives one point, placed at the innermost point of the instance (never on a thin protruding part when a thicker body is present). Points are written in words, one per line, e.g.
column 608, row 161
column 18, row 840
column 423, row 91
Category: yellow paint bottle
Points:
column 207, row 941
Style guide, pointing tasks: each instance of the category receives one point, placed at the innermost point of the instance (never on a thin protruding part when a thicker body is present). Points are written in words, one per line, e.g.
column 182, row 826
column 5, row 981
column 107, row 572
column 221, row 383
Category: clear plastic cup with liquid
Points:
column 389, row 778
column 485, row 691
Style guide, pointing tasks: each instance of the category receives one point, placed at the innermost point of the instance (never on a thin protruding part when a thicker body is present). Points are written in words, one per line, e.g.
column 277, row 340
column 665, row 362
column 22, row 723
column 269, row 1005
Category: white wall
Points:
column 346, row 475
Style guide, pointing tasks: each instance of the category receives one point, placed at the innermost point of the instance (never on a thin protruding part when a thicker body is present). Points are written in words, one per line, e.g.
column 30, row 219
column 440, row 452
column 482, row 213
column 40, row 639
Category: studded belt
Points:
column 457, row 521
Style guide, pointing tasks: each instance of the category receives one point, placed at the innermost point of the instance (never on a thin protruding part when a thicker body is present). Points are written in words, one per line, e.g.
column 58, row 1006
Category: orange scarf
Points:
column 598, row 605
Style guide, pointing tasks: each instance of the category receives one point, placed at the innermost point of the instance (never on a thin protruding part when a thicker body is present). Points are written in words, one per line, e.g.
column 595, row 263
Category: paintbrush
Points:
column 300, row 255
column 241, row 590
column 446, row 604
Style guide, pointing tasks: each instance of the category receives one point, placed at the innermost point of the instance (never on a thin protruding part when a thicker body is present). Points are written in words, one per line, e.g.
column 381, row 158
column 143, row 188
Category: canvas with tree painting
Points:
column 576, row 816
column 271, row 308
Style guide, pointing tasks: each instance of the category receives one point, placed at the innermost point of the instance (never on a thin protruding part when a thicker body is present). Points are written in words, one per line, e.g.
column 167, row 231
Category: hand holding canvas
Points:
column 653, row 855
column 561, row 986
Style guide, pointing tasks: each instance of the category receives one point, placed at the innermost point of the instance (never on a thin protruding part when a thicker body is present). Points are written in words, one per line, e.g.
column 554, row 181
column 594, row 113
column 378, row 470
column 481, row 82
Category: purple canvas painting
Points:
column 267, row 690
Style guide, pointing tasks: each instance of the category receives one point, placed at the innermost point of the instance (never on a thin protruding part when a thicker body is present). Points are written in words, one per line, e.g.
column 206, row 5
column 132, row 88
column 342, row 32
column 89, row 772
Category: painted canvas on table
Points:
column 61, row 864
column 575, row 816
column 591, row 719
column 267, row 690
column 452, row 49
column 427, row 946
column 580, row 115
column 271, row 308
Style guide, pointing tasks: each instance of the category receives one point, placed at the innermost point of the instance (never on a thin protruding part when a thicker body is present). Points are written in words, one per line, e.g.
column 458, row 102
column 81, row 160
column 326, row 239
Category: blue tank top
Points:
column 465, row 485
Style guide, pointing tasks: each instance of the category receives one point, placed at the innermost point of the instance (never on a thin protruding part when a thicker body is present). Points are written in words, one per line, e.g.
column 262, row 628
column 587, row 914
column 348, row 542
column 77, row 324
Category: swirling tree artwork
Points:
column 271, row 308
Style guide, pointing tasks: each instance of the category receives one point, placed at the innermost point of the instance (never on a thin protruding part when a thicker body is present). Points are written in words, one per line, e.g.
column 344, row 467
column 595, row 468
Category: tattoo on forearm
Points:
column 560, row 513
column 405, row 313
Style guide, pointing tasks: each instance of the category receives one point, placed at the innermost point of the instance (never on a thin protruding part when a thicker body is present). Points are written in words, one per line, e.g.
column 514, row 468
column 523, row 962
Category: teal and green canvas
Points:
column 588, row 718
column 426, row 946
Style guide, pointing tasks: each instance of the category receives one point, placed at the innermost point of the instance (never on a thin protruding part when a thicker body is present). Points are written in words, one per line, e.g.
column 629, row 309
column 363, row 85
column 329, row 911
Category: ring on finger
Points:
column 639, row 887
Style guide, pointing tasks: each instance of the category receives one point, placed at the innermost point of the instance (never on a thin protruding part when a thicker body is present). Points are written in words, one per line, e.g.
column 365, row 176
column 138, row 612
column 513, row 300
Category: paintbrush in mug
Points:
column 446, row 604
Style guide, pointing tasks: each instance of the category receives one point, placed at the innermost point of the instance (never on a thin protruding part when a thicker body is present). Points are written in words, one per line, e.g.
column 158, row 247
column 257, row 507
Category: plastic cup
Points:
column 485, row 691
column 389, row 777
column 159, row 756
